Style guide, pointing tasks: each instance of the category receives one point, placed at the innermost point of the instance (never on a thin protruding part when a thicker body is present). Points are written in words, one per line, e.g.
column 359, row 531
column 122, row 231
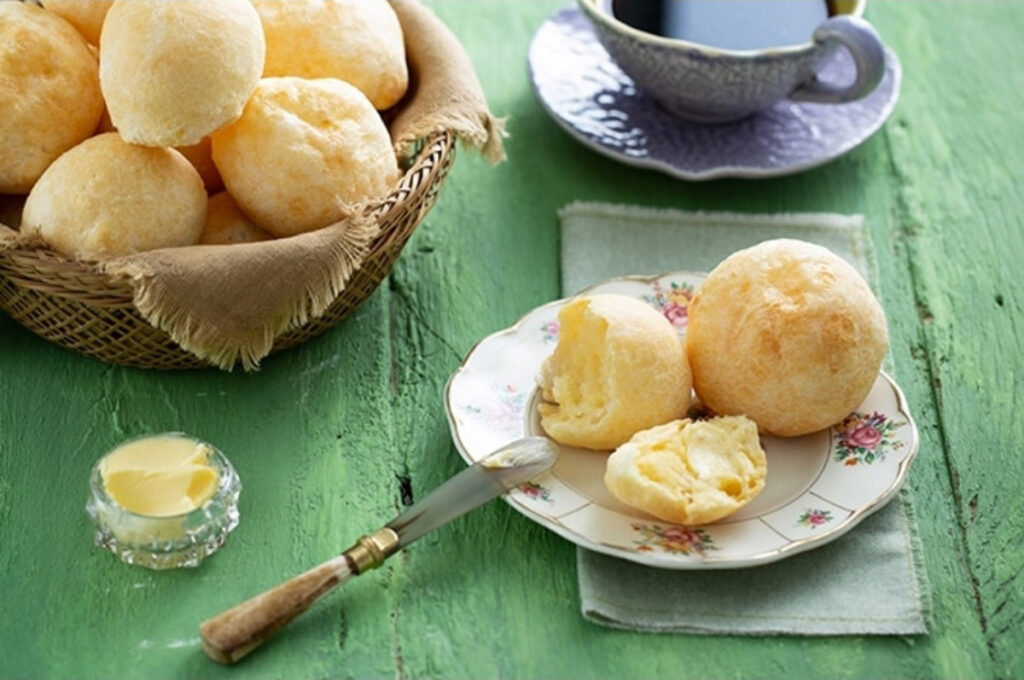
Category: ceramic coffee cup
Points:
column 709, row 84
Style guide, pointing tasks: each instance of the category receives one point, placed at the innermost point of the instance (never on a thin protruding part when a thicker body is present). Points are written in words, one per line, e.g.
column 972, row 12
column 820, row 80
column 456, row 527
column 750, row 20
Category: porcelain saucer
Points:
column 818, row 486
column 583, row 90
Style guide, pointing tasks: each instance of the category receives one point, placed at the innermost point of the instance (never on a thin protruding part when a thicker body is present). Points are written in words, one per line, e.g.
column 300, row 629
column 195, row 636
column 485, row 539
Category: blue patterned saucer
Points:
column 579, row 84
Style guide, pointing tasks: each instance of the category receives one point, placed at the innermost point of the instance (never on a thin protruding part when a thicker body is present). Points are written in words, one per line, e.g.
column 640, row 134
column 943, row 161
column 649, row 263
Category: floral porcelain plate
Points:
column 818, row 486
column 586, row 93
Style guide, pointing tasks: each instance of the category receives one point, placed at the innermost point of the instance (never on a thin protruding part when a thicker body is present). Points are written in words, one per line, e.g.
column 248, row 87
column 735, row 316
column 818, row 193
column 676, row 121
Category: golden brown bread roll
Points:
column 49, row 92
column 689, row 472
column 358, row 41
column 787, row 333
column 173, row 72
column 302, row 151
column 85, row 15
column 226, row 223
column 618, row 368
column 105, row 198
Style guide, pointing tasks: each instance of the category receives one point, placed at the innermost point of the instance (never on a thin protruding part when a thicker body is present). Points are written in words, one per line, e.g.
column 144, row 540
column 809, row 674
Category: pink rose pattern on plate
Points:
column 814, row 518
column 673, row 303
column 864, row 439
column 504, row 412
column 860, row 439
column 549, row 332
column 535, row 491
column 673, row 539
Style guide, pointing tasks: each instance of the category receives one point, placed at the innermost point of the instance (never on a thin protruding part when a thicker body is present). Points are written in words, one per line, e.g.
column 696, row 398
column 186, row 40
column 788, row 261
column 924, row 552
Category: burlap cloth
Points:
column 226, row 304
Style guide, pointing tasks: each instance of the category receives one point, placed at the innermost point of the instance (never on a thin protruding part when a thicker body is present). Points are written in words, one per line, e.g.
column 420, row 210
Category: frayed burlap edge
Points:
column 342, row 253
column 451, row 98
column 483, row 133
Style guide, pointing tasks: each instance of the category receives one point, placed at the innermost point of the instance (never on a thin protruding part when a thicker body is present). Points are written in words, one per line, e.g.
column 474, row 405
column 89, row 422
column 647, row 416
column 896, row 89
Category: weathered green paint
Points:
column 324, row 433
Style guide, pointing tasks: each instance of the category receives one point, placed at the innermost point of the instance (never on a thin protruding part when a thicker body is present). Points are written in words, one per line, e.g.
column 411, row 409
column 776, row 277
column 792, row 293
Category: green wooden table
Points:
column 330, row 437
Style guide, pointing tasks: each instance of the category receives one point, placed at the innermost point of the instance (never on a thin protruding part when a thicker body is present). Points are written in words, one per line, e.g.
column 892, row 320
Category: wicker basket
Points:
column 79, row 308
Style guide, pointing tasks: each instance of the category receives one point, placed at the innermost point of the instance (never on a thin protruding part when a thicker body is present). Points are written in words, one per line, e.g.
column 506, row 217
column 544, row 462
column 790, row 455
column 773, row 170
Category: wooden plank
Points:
column 327, row 434
column 310, row 440
column 958, row 160
column 518, row 611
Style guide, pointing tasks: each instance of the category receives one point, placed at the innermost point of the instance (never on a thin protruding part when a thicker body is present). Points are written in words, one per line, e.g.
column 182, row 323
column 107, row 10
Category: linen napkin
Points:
column 871, row 581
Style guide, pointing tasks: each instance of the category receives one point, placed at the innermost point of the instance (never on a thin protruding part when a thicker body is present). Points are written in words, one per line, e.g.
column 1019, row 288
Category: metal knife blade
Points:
column 506, row 468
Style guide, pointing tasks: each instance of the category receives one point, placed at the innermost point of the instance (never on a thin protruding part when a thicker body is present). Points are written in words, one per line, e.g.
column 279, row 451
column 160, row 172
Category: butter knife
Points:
column 231, row 635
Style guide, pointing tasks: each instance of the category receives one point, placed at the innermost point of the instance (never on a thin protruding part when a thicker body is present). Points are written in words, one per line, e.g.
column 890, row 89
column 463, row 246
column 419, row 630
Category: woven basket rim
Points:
column 379, row 209
column 79, row 307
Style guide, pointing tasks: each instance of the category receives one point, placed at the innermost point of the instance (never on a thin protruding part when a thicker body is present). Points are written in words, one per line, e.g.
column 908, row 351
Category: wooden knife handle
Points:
column 231, row 635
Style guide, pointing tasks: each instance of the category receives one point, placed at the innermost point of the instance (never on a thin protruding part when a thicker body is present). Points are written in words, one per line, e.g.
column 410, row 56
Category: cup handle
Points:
column 868, row 51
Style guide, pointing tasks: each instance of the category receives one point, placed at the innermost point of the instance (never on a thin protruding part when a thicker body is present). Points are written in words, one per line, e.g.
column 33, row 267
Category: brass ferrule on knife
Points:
column 371, row 550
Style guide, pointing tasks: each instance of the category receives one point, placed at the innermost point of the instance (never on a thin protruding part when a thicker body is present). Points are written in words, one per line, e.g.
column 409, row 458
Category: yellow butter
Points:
column 160, row 476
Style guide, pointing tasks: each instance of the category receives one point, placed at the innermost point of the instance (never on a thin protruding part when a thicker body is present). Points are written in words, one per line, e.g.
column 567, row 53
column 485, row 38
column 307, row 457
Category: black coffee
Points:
column 728, row 24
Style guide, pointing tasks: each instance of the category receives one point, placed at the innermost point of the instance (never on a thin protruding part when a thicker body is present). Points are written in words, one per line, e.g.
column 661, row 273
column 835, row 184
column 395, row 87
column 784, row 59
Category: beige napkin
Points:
column 226, row 304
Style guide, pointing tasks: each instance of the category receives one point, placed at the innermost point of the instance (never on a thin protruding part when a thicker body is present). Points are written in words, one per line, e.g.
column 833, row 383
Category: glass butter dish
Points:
column 163, row 501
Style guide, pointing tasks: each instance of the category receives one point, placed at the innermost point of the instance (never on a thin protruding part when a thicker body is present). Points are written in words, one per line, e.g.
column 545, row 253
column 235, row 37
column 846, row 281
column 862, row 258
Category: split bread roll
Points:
column 689, row 472
column 173, row 72
column 85, row 15
column 304, row 152
column 106, row 198
column 787, row 333
column 618, row 368
column 49, row 92
column 358, row 41
column 227, row 224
